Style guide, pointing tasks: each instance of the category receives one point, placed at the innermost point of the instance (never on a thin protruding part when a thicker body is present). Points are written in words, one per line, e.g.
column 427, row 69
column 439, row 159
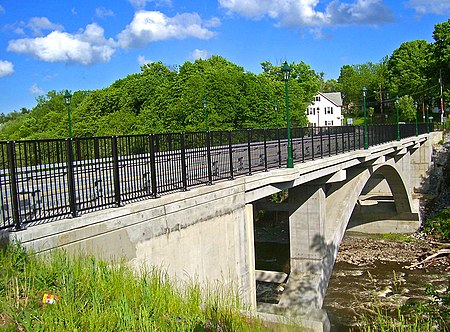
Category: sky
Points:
column 50, row 45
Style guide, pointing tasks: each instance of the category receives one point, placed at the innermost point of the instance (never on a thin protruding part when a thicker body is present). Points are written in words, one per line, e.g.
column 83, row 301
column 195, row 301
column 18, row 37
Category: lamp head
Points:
column 67, row 97
column 286, row 70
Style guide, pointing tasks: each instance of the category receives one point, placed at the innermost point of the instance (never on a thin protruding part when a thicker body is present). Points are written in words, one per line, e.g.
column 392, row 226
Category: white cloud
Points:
column 37, row 24
column 103, row 12
column 150, row 26
column 306, row 12
column 200, row 54
column 6, row 68
column 142, row 60
column 422, row 7
column 2, row 10
column 86, row 48
column 35, row 89
column 140, row 4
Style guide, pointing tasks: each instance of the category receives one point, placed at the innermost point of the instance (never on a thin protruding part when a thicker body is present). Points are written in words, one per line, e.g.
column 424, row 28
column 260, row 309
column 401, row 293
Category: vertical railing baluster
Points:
column 249, row 151
column 321, row 142
column 303, row 144
column 336, row 145
column 230, row 153
column 13, row 181
column 312, row 143
column 183, row 161
column 208, row 156
column 116, row 172
column 329, row 141
column 265, row 149
column 279, row 147
column 71, row 178
column 349, row 140
column 154, row 185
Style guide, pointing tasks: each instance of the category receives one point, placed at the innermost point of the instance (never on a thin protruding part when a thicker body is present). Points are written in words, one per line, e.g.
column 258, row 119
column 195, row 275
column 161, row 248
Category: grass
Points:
column 95, row 295
column 397, row 237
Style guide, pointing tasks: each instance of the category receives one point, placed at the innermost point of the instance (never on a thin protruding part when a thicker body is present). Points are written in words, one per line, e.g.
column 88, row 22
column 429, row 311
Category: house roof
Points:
column 334, row 97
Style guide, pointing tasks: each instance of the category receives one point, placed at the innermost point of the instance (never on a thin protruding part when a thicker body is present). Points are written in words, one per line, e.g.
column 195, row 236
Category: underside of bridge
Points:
column 298, row 232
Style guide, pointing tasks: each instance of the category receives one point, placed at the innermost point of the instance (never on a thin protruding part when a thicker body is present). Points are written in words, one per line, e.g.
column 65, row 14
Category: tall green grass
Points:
column 95, row 295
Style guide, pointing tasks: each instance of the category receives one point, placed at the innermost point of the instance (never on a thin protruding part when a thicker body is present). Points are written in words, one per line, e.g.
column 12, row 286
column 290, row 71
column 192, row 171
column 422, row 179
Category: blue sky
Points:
column 83, row 45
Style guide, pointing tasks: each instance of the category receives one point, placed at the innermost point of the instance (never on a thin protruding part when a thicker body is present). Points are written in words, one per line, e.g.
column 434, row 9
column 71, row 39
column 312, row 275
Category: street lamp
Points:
column 366, row 136
column 286, row 70
column 398, row 119
column 427, row 121
column 68, row 97
column 205, row 110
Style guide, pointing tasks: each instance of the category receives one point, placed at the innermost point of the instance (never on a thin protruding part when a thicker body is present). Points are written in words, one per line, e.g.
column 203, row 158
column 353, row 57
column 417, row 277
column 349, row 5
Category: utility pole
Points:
column 381, row 98
column 442, row 96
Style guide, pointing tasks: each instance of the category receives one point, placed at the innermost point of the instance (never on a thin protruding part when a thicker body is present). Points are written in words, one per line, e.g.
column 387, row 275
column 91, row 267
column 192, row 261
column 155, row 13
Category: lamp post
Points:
column 68, row 97
column 286, row 70
column 427, row 121
column 366, row 135
column 205, row 110
column 398, row 119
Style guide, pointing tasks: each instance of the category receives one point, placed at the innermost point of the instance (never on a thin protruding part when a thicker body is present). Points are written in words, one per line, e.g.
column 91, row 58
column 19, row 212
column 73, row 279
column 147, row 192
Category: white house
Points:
column 325, row 110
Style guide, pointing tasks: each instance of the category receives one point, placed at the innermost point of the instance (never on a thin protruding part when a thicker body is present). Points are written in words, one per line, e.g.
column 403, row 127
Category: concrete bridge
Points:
column 207, row 233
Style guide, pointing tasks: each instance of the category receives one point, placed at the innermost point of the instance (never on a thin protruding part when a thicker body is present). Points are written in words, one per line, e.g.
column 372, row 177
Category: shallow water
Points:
column 353, row 290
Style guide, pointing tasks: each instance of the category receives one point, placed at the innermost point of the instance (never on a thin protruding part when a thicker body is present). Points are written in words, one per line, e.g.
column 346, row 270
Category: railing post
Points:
column 312, row 143
column 71, row 178
column 153, row 166
column 249, row 152
column 265, row 150
column 348, row 139
column 279, row 147
column 230, row 153
column 116, row 174
column 208, row 156
column 329, row 141
column 13, row 180
column 183, row 161
column 303, row 144
column 321, row 142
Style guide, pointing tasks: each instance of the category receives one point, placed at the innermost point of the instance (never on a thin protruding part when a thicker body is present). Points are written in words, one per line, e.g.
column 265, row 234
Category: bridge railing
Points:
column 46, row 180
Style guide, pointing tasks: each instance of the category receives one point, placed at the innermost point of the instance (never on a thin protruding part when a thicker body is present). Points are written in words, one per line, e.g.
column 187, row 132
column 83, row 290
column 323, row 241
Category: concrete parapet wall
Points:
column 205, row 235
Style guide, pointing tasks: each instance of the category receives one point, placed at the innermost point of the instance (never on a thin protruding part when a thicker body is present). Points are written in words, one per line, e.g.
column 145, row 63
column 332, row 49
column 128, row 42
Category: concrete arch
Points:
column 318, row 218
column 342, row 198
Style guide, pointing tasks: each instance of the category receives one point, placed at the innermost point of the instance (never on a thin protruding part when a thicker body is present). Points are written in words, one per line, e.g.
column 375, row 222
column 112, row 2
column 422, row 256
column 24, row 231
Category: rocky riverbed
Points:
column 374, row 273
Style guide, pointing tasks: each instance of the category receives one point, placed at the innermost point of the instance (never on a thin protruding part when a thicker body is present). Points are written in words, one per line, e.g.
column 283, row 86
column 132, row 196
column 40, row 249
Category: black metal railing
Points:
column 47, row 180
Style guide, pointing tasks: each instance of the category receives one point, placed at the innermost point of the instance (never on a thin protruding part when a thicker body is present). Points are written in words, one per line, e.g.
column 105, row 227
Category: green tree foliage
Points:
column 407, row 109
column 353, row 78
column 161, row 99
column 409, row 68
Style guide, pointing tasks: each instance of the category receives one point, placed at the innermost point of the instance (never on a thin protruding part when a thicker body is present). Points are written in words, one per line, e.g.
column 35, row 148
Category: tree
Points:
column 409, row 68
column 407, row 108
column 441, row 35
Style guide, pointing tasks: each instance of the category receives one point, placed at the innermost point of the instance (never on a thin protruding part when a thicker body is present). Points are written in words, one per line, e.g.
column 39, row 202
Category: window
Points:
column 317, row 98
column 329, row 110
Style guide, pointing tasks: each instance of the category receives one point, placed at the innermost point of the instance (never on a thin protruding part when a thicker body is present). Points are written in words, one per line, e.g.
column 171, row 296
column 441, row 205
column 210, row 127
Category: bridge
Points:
column 190, row 210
